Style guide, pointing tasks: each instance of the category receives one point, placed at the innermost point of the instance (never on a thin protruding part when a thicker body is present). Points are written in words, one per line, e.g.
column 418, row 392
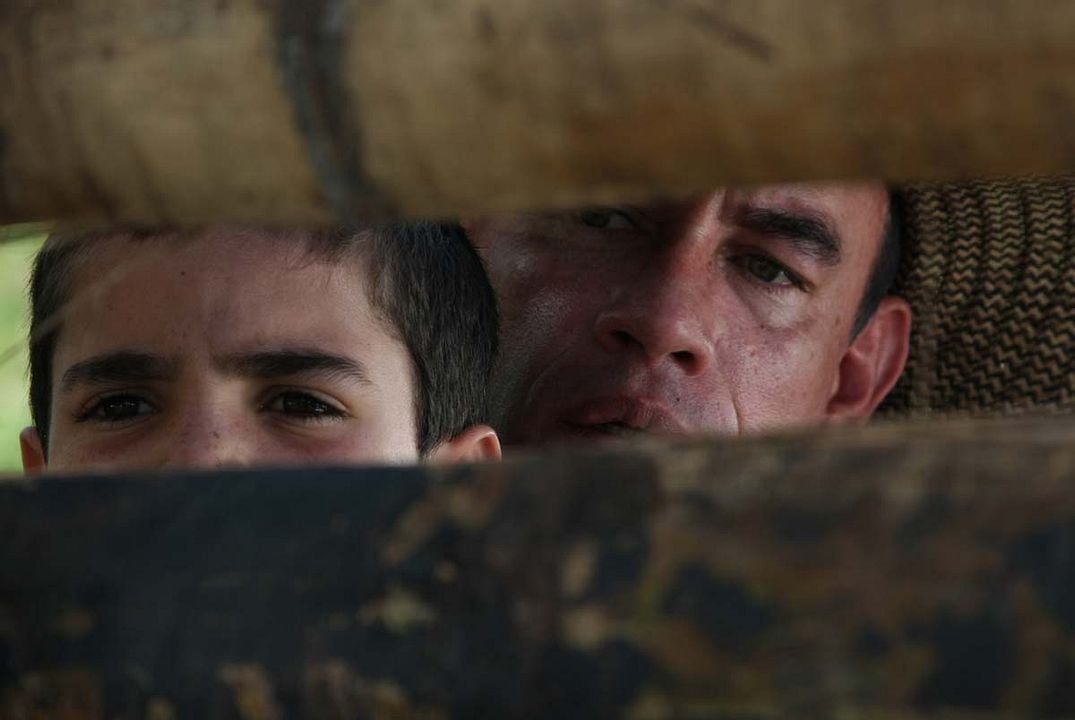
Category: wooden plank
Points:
column 907, row 572
column 308, row 110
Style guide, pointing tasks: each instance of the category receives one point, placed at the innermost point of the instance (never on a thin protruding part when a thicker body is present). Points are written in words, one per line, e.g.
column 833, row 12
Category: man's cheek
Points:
column 545, row 339
column 770, row 363
column 519, row 279
column 792, row 381
column 550, row 322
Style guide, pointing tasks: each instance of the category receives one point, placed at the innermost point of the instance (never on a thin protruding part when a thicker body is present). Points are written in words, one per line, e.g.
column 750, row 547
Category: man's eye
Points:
column 606, row 219
column 769, row 271
column 117, row 408
column 299, row 404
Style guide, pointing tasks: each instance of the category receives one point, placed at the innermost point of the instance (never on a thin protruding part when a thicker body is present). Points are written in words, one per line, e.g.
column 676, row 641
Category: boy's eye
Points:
column 606, row 219
column 769, row 271
column 303, row 405
column 117, row 408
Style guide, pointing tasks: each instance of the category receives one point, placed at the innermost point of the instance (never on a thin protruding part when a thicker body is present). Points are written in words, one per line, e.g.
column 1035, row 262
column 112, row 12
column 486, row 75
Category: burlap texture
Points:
column 989, row 269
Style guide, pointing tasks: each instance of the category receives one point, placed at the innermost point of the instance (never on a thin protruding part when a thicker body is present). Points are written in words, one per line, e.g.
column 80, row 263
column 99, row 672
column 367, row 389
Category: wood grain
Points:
column 294, row 111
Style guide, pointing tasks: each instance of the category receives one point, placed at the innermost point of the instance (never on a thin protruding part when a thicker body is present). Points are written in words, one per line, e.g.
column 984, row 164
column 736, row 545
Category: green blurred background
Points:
column 15, row 258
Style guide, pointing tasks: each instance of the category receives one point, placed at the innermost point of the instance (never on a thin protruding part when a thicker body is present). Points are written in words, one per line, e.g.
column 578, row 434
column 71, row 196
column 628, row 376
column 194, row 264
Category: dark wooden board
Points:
column 910, row 572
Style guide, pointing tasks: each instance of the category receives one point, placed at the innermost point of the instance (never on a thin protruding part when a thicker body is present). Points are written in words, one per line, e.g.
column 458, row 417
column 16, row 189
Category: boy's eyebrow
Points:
column 119, row 366
column 810, row 233
column 268, row 364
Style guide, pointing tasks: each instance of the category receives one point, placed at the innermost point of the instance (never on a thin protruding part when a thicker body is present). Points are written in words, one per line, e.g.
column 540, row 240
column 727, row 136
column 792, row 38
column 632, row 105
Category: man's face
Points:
column 225, row 351
column 730, row 314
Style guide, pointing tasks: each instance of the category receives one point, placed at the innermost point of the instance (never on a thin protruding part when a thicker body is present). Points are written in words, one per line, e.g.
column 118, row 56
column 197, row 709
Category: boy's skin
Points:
column 213, row 352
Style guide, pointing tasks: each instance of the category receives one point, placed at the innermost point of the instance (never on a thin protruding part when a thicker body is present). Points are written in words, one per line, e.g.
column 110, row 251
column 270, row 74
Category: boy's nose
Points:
column 209, row 440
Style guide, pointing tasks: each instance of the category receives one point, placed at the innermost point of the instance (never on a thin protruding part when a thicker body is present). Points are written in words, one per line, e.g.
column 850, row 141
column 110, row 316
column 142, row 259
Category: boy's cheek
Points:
column 80, row 448
column 281, row 443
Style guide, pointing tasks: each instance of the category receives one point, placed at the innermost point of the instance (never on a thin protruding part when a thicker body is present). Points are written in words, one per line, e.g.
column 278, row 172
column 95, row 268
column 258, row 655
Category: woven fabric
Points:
column 989, row 270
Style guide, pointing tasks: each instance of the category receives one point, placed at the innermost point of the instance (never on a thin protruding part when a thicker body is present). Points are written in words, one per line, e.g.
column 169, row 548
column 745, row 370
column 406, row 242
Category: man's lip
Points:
column 619, row 416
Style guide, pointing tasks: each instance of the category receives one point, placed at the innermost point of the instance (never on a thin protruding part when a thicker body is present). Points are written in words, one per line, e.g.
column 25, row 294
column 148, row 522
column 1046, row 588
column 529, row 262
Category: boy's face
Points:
column 224, row 350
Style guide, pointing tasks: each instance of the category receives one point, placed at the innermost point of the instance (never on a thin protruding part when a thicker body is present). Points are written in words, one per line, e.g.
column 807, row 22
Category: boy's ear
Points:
column 33, row 454
column 476, row 443
column 872, row 364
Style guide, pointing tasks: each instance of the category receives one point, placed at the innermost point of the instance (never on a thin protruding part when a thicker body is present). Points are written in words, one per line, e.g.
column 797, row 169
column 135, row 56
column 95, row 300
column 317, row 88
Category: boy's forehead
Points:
column 212, row 256
column 289, row 249
column 217, row 289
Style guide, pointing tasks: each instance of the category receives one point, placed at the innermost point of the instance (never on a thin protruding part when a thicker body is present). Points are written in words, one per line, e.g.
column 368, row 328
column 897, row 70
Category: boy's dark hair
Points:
column 887, row 265
column 424, row 280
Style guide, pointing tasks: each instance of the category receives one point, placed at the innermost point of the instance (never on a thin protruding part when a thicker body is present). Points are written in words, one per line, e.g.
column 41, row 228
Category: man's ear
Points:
column 476, row 443
column 873, row 363
column 33, row 454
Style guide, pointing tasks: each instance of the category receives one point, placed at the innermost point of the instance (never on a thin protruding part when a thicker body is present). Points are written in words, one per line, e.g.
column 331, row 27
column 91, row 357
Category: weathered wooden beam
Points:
column 883, row 572
column 308, row 110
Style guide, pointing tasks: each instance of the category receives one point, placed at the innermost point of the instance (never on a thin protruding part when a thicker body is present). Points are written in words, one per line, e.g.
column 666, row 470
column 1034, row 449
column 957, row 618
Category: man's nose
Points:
column 209, row 439
column 662, row 313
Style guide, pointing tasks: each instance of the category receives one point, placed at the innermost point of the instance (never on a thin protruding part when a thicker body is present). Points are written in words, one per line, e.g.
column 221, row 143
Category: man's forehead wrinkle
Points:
column 119, row 366
column 774, row 195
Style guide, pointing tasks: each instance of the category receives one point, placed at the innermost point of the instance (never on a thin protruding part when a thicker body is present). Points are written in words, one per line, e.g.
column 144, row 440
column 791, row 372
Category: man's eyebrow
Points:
column 269, row 364
column 118, row 367
column 811, row 234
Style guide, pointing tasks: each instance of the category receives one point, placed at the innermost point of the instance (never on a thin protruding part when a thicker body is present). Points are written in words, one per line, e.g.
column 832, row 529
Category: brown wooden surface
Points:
column 886, row 572
column 305, row 110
